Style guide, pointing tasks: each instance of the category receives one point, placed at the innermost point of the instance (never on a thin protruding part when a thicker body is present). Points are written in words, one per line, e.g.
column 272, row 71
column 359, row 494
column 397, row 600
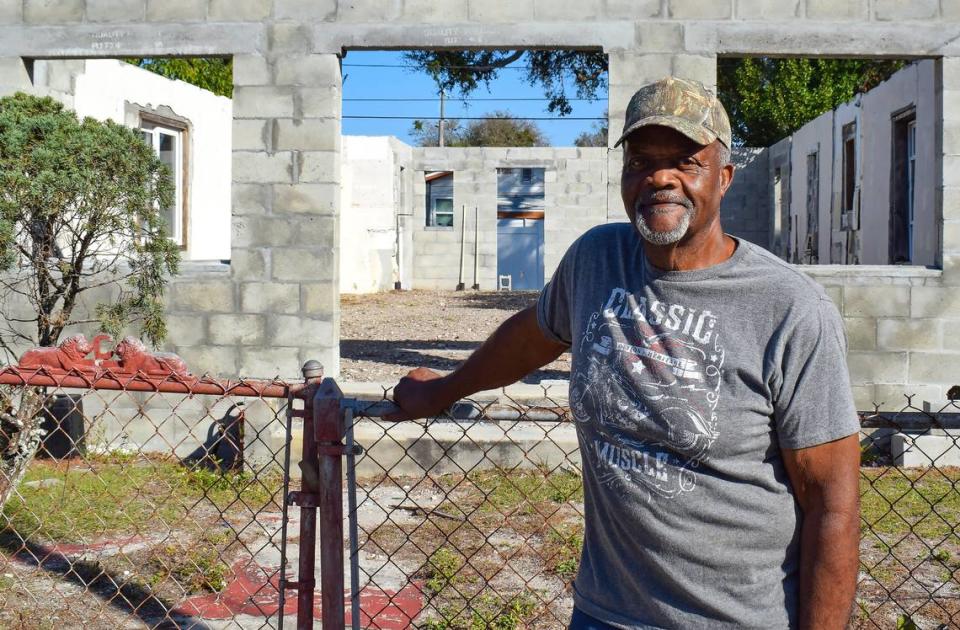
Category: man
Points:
column 710, row 394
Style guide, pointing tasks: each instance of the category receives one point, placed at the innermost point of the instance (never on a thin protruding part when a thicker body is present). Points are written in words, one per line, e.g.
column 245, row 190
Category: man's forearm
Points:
column 829, row 553
column 514, row 350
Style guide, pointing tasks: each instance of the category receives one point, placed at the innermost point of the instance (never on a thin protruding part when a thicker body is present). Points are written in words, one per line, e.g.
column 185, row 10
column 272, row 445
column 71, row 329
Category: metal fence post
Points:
column 329, row 432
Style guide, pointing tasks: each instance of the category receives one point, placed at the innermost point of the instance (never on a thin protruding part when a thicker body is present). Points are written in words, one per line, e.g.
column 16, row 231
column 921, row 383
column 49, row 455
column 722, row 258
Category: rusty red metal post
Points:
column 329, row 433
column 306, row 499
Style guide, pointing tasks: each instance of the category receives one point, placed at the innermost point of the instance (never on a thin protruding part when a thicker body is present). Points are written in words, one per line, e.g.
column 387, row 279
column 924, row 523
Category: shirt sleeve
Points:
column 815, row 404
column 554, row 304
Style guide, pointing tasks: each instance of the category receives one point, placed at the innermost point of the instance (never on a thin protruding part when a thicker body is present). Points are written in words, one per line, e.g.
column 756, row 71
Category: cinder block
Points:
column 701, row 68
column 574, row 10
column 950, row 9
column 293, row 330
column 261, row 231
column 951, row 163
column 934, row 367
column 256, row 167
column 659, row 36
column 877, row 367
column 202, row 297
column 11, row 12
column 289, row 37
column 908, row 334
column 116, row 10
column 322, row 102
column 861, row 333
column 231, row 330
column 699, row 10
column 304, row 9
column 372, row 11
column 186, row 330
column 250, row 199
column 632, row 9
column 263, row 102
column 628, row 72
column 311, row 134
column 895, row 397
column 250, row 134
column 304, row 264
column 249, row 264
column 951, row 211
column 319, row 167
column 250, row 70
column 934, row 302
column 767, row 9
column 876, row 301
column 313, row 231
column 906, row 10
column 269, row 363
column 52, row 11
column 923, row 451
column 176, row 10
column 492, row 11
column 306, row 198
column 837, row 9
column 216, row 361
column 320, row 70
column 318, row 298
column 864, row 398
column 269, row 297
column 431, row 11
column 239, row 10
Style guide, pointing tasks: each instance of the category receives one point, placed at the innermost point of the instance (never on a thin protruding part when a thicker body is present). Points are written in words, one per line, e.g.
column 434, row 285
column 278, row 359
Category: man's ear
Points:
column 726, row 178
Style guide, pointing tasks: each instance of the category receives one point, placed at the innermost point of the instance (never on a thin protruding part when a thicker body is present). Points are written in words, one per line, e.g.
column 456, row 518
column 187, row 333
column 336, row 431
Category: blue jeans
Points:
column 582, row 621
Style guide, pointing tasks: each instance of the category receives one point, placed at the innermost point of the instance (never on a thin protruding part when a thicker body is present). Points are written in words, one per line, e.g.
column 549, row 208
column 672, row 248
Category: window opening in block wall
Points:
column 439, row 198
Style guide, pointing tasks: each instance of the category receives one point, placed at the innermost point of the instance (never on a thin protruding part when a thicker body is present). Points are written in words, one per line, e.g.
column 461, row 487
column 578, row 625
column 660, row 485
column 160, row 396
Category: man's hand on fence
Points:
column 419, row 394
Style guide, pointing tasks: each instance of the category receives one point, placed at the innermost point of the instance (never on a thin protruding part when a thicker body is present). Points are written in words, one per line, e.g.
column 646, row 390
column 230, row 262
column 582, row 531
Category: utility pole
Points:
column 440, row 126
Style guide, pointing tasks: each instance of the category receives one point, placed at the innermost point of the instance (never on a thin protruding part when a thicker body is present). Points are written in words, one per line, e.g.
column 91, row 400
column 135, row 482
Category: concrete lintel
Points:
column 618, row 35
column 805, row 39
column 122, row 40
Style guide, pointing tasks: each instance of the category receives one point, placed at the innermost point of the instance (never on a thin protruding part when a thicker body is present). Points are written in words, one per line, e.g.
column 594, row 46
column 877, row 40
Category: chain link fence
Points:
column 166, row 510
column 144, row 508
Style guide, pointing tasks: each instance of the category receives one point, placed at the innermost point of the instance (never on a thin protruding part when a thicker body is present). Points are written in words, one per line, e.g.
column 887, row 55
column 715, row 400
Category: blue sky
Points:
column 363, row 81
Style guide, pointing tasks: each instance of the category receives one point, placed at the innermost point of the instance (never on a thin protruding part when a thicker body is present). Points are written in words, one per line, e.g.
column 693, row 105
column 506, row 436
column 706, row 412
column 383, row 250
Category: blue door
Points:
column 520, row 252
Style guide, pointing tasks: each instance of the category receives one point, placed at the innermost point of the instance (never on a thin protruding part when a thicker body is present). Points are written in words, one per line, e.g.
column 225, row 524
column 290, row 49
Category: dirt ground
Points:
column 385, row 335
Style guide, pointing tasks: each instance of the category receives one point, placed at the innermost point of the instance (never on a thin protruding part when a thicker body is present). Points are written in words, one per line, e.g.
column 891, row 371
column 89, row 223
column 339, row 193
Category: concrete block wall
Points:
column 745, row 208
column 288, row 80
column 574, row 201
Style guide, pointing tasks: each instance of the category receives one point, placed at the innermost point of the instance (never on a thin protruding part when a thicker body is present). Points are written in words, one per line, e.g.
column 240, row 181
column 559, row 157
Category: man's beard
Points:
column 667, row 237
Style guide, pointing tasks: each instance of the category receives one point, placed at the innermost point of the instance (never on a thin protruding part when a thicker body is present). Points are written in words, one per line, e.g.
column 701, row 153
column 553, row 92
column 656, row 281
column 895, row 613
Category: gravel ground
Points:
column 385, row 335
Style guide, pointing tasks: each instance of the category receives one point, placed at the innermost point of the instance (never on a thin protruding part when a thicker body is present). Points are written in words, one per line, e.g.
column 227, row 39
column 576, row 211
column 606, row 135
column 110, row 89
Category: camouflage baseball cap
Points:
column 681, row 104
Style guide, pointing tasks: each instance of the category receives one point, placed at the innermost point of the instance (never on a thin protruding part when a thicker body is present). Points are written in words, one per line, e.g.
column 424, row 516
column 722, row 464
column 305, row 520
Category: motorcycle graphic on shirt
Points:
column 646, row 378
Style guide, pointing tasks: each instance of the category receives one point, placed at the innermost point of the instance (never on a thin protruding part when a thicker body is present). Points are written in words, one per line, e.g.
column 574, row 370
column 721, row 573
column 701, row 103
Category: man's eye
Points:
column 636, row 163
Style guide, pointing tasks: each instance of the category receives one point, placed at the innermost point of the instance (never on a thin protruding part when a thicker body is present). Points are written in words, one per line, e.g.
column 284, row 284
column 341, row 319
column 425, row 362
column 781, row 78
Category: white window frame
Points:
column 154, row 131
column 435, row 213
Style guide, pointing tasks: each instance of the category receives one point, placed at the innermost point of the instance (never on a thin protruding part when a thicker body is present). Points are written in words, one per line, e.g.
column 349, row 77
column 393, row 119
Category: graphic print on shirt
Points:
column 647, row 376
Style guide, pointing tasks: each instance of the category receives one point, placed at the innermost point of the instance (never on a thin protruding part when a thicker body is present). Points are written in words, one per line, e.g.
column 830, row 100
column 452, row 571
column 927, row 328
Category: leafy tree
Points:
column 597, row 137
column 210, row 73
column 499, row 129
column 768, row 99
column 463, row 71
column 79, row 209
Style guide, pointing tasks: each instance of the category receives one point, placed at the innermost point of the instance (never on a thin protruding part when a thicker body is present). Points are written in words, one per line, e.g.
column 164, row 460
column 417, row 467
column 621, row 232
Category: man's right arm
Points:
column 516, row 348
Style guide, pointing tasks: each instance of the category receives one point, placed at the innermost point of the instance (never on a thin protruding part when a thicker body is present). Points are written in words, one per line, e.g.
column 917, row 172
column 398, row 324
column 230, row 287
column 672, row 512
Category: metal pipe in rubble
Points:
column 306, row 499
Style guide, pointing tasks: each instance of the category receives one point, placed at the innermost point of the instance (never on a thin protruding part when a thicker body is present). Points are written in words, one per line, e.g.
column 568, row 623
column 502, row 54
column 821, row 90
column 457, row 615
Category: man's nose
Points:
column 662, row 176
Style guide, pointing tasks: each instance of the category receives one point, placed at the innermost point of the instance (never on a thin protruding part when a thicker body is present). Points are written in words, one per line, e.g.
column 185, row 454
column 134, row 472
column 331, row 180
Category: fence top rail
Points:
column 142, row 382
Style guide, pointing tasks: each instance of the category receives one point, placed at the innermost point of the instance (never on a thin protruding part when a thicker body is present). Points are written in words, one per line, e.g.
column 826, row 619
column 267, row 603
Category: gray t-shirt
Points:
column 684, row 387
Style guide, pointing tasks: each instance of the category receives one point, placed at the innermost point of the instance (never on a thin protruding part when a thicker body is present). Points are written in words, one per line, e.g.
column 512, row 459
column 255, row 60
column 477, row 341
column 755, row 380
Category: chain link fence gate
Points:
column 160, row 502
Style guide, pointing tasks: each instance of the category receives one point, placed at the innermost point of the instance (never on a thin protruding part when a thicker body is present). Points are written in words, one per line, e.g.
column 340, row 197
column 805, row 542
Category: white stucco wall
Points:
column 104, row 89
column 369, row 195
column 815, row 136
column 911, row 87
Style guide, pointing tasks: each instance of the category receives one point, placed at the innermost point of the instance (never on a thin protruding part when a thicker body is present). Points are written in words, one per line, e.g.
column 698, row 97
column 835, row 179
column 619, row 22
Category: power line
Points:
column 559, row 118
column 459, row 100
column 415, row 67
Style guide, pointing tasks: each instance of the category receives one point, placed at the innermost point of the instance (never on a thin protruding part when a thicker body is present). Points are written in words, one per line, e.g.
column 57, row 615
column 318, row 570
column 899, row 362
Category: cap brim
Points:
column 695, row 132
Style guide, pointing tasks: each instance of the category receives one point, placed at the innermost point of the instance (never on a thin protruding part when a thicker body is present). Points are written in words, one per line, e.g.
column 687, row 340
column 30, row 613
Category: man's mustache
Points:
column 664, row 197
